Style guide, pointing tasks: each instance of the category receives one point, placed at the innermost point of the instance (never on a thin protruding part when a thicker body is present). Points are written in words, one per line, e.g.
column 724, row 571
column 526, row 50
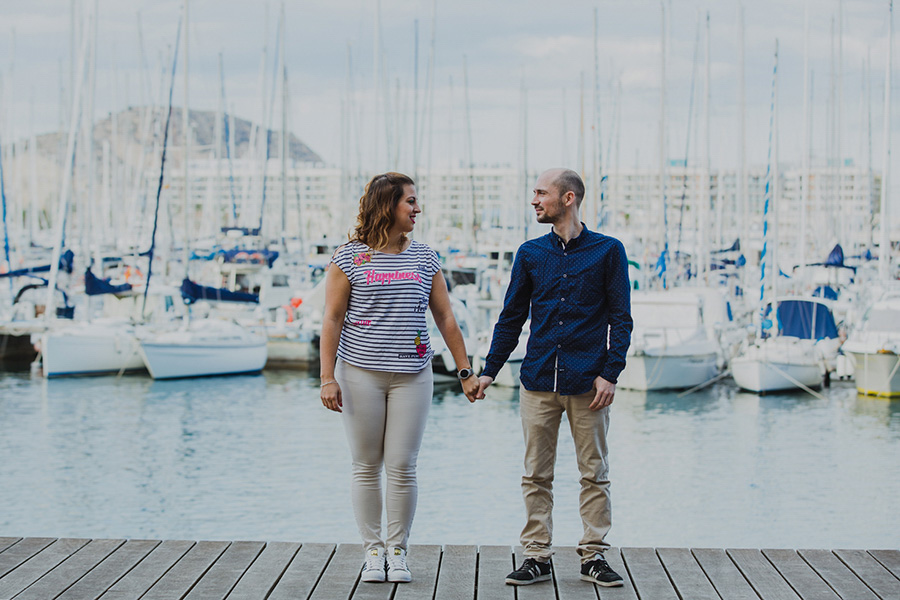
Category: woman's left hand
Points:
column 470, row 387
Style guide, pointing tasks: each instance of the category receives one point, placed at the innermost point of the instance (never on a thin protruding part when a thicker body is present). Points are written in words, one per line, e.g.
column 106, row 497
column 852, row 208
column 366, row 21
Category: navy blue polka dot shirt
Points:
column 579, row 299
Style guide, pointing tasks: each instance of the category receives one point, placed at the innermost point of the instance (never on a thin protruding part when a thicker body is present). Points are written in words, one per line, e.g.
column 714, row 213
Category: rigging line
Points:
column 162, row 170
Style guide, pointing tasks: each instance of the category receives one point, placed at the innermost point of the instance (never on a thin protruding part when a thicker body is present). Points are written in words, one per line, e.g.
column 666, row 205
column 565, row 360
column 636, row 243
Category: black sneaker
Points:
column 531, row 571
column 598, row 571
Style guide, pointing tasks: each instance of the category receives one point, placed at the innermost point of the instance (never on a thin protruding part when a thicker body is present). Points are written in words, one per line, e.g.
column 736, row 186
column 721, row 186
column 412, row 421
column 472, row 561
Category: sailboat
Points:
column 775, row 361
column 201, row 347
column 674, row 343
column 93, row 347
column 875, row 348
column 875, row 345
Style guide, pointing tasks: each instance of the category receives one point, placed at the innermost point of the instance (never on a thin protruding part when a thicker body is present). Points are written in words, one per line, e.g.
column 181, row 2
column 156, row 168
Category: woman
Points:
column 376, row 362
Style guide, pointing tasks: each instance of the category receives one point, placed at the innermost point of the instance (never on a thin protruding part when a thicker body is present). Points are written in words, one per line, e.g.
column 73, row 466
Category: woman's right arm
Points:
column 337, row 294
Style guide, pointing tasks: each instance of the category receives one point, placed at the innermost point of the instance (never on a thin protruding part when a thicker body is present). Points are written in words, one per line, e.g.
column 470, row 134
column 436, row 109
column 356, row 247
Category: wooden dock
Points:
column 83, row 569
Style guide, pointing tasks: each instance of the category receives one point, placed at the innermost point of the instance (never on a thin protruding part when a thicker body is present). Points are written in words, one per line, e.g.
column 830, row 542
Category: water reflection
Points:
column 258, row 457
column 668, row 401
column 883, row 411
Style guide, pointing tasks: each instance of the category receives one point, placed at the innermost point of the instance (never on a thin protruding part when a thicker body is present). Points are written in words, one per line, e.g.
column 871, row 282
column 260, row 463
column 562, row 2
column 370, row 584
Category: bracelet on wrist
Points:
column 329, row 382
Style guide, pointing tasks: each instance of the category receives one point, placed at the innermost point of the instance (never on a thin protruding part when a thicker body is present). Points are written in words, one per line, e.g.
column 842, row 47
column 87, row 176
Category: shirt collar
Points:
column 573, row 243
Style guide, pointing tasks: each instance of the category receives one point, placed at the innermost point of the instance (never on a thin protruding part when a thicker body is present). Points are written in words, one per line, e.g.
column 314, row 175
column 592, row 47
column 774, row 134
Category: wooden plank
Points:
column 567, row 576
column 265, row 571
column 456, row 580
column 375, row 590
column 6, row 542
column 723, row 574
column 104, row 575
column 140, row 579
column 535, row 591
column 806, row 582
column 650, row 579
column 841, row 579
column 227, row 570
column 689, row 579
column 627, row 592
column 424, row 562
column 889, row 558
column 494, row 564
column 762, row 576
column 341, row 575
column 38, row 565
column 303, row 572
column 18, row 553
column 70, row 570
column 179, row 580
column 872, row 572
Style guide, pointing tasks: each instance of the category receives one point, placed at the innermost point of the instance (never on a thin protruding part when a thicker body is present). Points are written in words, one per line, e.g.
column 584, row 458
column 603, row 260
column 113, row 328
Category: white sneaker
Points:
column 373, row 568
column 397, row 571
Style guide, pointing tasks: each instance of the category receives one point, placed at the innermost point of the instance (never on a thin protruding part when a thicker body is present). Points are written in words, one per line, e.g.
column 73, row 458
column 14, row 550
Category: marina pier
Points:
column 118, row 569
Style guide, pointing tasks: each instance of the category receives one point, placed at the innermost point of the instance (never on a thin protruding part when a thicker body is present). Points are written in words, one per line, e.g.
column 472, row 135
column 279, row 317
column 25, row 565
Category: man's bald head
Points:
column 566, row 180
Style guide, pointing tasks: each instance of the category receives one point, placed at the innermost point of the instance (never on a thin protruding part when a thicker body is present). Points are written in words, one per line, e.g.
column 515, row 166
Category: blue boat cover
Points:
column 796, row 320
column 66, row 261
column 191, row 292
column 240, row 255
column 835, row 257
column 825, row 291
column 94, row 286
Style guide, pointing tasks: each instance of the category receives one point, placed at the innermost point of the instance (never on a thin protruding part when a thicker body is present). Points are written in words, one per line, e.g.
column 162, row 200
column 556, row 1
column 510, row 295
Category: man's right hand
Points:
column 483, row 383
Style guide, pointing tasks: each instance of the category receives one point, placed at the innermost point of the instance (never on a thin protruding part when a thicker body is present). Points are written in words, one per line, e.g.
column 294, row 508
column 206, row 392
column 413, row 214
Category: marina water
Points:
column 259, row 458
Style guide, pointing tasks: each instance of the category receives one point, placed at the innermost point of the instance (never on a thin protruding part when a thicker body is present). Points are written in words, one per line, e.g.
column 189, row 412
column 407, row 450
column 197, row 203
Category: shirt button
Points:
column 559, row 345
column 562, row 299
column 565, row 275
column 560, row 322
column 565, row 253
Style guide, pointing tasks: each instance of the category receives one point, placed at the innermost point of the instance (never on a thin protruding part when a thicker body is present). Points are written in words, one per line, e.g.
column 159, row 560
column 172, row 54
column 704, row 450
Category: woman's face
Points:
column 406, row 210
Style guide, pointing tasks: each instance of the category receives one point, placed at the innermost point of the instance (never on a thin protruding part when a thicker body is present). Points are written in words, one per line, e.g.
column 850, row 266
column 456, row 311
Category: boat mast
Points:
column 186, row 132
column 769, row 208
column 59, row 224
column 471, row 161
column 743, row 204
column 804, row 196
column 595, row 206
column 870, row 224
column 662, row 146
column 284, row 134
column 884, row 259
column 706, row 193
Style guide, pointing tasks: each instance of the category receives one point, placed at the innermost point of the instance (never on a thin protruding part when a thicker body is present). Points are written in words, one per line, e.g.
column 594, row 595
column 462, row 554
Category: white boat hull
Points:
column 89, row 353
column 166, row 360
column 508, row 376
column 291, row 353
column 876, row 374
column 644, row 372
column 758, row 375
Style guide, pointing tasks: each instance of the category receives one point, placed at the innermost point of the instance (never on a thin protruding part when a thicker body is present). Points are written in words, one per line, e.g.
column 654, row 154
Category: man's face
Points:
column 547, row 201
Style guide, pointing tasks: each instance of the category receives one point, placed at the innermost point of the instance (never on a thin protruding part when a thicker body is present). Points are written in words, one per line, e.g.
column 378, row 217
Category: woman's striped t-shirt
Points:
column 384, row 327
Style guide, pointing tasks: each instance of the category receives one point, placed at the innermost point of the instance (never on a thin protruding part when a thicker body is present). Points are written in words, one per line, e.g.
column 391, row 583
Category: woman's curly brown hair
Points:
column 376, row 209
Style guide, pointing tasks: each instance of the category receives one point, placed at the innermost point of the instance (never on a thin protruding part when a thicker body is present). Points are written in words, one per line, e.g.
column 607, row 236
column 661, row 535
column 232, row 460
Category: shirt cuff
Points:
column 490, row 370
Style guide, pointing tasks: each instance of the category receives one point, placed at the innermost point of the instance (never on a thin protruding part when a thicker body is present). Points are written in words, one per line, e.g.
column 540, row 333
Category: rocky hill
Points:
column 143, row 126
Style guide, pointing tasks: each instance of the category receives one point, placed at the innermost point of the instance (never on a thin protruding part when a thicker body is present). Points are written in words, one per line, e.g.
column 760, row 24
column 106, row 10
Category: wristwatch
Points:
column 465, row 373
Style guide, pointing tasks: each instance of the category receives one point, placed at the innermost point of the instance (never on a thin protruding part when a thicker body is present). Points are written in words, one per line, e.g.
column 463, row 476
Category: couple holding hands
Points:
column 376, row 365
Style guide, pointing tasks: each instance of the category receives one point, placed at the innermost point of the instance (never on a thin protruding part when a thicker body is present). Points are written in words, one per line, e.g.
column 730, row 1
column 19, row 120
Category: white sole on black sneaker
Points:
column 537, row 579
column 619, row 583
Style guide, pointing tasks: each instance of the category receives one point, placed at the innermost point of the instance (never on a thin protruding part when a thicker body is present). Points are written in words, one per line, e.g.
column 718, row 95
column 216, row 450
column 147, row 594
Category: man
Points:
column 574, row 282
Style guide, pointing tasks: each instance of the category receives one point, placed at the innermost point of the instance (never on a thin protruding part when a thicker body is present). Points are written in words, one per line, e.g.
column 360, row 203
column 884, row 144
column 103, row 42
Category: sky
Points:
column 513, row 81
